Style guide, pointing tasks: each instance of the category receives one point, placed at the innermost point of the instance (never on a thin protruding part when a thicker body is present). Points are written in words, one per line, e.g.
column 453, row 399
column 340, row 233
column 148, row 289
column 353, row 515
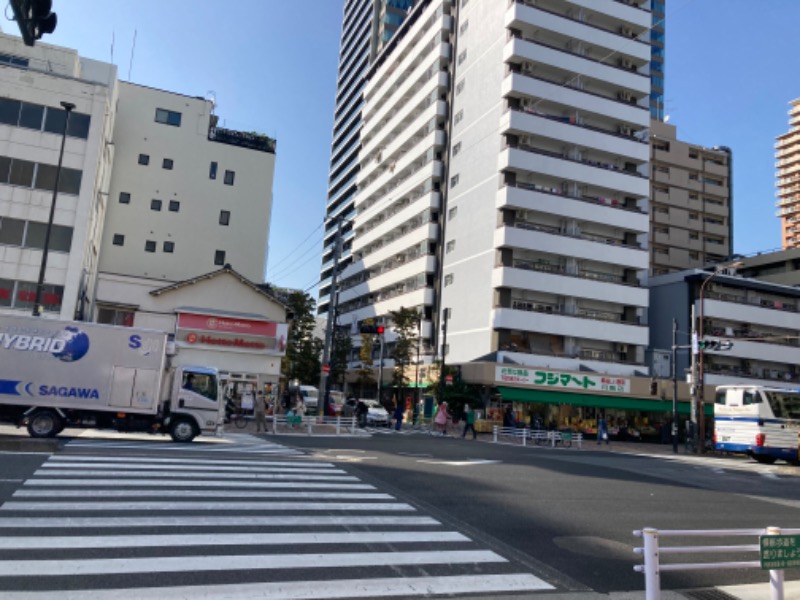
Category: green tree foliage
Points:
column 340, row 351
column 303, row 350
column 406, row 323
column 365, row 379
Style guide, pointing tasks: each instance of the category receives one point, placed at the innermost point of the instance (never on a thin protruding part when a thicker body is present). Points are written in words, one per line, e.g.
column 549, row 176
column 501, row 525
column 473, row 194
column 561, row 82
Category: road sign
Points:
column 448, row 380
column 326, row 368
column 780, row 551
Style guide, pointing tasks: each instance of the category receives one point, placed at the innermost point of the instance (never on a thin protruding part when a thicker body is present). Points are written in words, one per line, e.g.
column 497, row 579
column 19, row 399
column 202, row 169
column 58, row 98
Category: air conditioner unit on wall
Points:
column 627, row 32
column 625, row 96
column 626, row 63
column 525, row 140
column 527, row 67
column 625, row 130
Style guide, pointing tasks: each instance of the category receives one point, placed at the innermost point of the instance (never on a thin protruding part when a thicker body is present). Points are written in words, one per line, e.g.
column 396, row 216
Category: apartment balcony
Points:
column 582, row 100
column 738, row 309
column 523, row 122
column 522, row 14
column 384, row 83
column 561, row 245
column 529, row 275
column 375, row 181
column 568, row 325
column 420, row 297
column 429, row 232
column 561, row 167
column 518, row 49
column 395, row 222
column 585, row 208
column 623, row 11
column 715, row 229
column 401, row 272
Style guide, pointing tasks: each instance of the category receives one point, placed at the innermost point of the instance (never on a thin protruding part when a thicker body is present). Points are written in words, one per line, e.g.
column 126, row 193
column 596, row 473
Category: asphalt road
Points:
column 385, row 515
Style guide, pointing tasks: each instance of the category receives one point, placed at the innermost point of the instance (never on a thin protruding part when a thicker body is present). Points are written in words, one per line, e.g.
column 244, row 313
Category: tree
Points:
column 365, row 378
column 340, row 352
column 406, row 323
column 303, row 350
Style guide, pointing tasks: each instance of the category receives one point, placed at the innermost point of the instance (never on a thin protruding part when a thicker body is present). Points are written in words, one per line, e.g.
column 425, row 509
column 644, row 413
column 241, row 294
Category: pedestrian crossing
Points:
column 239, row 443
column 145, row 527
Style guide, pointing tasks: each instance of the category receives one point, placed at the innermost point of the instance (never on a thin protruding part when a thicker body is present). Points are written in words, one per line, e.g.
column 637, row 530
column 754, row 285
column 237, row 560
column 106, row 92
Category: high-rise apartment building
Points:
column 33, row 84
column 368, row 26
column 788, row 154
column 503, row 175
column 692, row 210
column 657, row 56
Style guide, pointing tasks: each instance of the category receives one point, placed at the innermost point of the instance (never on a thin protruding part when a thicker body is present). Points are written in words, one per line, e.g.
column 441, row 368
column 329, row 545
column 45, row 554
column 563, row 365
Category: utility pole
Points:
column 380, row 371
column 695, row 383
column 442, row 376
column 324, row 380
column 674, row 386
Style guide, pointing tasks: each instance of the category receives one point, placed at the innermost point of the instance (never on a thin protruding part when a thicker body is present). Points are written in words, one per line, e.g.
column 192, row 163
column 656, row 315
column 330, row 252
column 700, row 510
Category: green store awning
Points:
column 596, row 400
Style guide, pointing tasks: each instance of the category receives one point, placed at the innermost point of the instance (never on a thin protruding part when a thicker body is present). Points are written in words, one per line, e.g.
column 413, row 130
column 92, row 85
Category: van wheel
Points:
column 183, row 430
column 764, row 460
column 44, row 424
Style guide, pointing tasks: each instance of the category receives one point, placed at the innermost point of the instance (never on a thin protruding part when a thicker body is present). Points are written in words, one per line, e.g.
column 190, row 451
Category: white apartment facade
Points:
column 33, row 83
column 504, row 177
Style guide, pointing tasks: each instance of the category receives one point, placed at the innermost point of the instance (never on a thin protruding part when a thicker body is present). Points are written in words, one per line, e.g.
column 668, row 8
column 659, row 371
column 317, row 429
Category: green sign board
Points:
column 780, row 551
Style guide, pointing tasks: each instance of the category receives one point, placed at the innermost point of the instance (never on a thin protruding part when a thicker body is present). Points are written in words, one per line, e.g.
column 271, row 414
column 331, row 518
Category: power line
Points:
column 291, row 252
column 293, row 265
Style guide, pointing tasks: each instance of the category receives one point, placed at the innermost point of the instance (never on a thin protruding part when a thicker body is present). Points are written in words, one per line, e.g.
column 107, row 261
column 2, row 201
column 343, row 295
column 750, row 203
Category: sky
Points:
column 731, row 70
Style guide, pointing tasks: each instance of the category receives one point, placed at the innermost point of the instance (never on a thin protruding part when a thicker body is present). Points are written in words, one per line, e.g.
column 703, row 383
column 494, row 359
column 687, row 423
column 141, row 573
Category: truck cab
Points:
column 194, row 406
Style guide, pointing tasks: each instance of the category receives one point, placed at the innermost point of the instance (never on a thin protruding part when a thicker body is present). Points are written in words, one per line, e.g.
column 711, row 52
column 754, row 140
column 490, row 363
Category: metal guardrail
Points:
column 525, row 436
column 653, row 551
column 311, row 424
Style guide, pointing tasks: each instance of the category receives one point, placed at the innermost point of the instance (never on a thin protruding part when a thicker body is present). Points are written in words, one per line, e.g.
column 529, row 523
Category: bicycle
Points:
column 238, row 418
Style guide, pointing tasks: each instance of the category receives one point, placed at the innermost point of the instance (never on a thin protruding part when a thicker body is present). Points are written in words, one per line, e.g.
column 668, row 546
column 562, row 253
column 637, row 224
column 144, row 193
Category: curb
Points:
column 12, row 443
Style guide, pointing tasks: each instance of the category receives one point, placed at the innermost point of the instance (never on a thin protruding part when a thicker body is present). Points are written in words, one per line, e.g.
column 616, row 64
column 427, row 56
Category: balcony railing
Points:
column 572, row 122
column 586, row 354
column 632, row 103
column 749, row 373
column 581, row 236
column 590, row 163
column 528, row 265
column 761, row 303
column 610, row 202
column 557, row 309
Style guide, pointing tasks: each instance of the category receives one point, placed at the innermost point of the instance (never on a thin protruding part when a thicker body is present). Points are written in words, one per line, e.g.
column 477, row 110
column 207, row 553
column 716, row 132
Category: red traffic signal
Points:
column 379, row 329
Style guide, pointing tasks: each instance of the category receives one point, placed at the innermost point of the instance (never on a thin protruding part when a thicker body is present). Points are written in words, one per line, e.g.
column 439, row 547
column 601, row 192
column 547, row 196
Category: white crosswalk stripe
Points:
column 83, row 523
column 231, row 442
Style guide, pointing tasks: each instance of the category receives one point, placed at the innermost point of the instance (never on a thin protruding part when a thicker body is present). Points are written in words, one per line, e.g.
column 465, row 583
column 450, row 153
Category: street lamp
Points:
column 416, row 369
column 37, row 302
column 700, row 383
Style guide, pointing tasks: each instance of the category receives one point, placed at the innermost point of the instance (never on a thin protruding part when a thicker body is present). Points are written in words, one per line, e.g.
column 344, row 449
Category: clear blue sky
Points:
column 731, row 71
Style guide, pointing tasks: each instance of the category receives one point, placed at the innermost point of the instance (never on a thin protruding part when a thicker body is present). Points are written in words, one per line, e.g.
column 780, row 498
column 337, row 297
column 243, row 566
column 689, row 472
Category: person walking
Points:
column 440, row 419
column 260, row 409
column 602, row 431
column 399, row 413
column 469, row 421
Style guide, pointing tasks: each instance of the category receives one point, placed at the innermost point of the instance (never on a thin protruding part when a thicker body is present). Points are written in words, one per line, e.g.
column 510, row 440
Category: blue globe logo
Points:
column 75, row 347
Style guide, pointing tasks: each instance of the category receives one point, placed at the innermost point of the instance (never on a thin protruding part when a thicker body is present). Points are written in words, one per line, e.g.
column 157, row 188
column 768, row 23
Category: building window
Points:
column 167, row 164
column 451, row 214
column 448, row 279
column 219, row 257
column 229, row 177
column 451, row 245
column 144, row 159
column 212, row 171
column 119, row 239
column 459, row 116
column 464, row 27
column 693, row 216
column 149, row 246
column 693, row 153
column 168, row 117
column 112, row 316
column 462, row 57
column 174, row 206
column 224, row 217
column 155, row 204
column 169, row 247
column 124, row 197
column 694, row 236
column 457, row 148
column 454, row 180
column 460, row 86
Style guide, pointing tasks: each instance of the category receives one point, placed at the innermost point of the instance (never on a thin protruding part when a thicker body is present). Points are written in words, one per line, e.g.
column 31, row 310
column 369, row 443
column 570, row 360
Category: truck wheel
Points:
column 44, row 424
column 764, row 460
column 182, row 430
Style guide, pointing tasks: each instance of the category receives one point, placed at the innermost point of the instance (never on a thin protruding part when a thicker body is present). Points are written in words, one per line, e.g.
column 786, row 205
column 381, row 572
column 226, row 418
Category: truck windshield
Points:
column 201, row 383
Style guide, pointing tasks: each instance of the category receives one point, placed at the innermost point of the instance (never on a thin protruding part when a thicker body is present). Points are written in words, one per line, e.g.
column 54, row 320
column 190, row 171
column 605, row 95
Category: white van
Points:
column 310, row 396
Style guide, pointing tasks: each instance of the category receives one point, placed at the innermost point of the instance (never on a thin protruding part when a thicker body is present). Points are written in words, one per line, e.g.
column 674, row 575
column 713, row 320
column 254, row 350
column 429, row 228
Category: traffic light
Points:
column 715, row 344
column 379, row 329
column 34, row 18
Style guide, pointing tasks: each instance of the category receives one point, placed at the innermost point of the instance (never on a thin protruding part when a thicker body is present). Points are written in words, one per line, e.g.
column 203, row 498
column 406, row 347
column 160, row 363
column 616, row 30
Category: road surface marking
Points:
column 243, row 562
column 184, row 483
column 188, row 461
column 460, row 463
column 315, row 590
column 232, row 539
column 214, row 521
column 58, row 493
column 220, row 506
column 205, row 475
column 182, row 467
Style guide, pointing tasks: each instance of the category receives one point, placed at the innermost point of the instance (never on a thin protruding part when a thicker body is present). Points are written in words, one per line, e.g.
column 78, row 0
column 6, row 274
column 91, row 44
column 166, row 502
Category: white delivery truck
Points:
column 57, row 374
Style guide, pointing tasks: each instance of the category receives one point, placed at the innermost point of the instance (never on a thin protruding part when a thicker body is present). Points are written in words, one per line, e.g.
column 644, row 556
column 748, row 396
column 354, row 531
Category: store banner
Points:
column 241, row 335
column 562, row 380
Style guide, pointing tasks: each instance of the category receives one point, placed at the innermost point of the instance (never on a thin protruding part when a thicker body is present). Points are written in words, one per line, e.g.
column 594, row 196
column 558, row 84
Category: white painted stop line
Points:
column 45, row 507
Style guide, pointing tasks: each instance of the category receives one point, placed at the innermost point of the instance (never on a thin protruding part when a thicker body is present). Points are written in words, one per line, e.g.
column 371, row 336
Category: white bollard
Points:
column 338, row 424
column 494, row 434
column 652, row 577
column 775, row 576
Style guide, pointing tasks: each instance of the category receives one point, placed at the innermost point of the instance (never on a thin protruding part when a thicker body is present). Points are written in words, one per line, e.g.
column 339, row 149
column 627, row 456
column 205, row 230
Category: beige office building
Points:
column 691, row 217
column 787, row 153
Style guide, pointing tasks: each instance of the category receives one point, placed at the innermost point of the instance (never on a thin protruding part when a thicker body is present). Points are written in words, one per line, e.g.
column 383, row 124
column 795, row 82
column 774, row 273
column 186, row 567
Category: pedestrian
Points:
column 602, row 431
column 260, row 408
column 361, row 413
column 508, row 417
column 440, row 419
column 399, row 413
column 469, row 421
